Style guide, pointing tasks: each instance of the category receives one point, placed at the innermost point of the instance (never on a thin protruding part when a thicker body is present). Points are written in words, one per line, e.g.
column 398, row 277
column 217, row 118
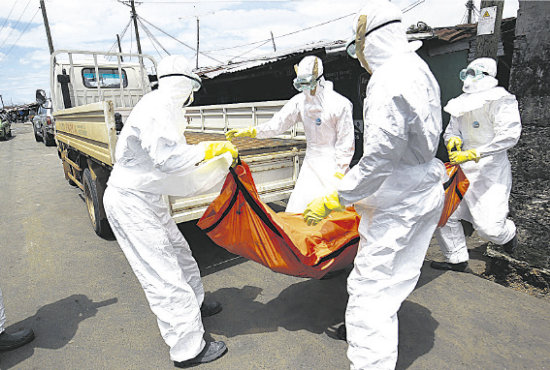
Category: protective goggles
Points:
column 471, row 72
column 351, row 46
column 307, row 82
column 196, row 80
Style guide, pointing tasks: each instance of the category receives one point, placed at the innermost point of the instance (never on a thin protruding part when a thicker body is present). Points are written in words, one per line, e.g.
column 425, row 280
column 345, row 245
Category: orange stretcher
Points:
column 455, row 189
column 240, row 222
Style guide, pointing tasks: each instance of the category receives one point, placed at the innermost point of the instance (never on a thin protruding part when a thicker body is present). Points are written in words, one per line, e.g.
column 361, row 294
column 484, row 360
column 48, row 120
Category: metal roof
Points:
column 448, row 34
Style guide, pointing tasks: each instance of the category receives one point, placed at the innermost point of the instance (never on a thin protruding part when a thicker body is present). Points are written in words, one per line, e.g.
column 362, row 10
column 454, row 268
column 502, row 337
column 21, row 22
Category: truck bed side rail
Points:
column 224, row 117
column 89, row 129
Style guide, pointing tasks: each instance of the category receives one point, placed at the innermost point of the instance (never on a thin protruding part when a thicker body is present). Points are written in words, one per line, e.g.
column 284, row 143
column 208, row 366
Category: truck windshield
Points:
column 108, row 78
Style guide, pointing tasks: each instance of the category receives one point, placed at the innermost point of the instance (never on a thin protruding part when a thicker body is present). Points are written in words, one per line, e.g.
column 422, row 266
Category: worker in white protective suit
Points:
column 152, row 160
column 10, row 341
column 328, row 125
column 396, row 186
column 485, row 123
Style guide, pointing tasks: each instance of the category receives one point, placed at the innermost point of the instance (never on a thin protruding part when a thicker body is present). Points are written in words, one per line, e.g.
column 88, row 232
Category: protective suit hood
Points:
column 385, row 38
column 469, row 102
column 479, row 75
column 177, row 82
column 309, row 76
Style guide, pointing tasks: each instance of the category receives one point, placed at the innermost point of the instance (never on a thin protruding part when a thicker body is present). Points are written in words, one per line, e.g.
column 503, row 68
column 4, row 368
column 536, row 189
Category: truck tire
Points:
column 100, row 226
column 48, row 139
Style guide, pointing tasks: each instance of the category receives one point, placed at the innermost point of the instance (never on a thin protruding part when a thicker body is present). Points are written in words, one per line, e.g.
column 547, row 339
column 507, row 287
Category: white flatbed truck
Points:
column 92, row 97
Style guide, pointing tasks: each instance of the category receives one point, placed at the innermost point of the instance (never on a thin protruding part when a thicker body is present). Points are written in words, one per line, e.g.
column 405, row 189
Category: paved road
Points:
column 88, row 311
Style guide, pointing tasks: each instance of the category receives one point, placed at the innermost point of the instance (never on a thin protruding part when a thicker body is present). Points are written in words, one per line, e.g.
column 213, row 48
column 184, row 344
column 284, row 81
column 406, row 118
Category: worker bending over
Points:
column 152, row 160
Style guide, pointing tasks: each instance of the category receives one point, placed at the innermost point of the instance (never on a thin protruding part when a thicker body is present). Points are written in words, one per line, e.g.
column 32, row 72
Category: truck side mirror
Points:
column 40, row 96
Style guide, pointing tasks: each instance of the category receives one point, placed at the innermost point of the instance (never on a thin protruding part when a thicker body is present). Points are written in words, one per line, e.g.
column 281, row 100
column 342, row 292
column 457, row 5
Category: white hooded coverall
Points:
column 487, row 120
column 396, row 187
column 152, row 156
column 328, row 126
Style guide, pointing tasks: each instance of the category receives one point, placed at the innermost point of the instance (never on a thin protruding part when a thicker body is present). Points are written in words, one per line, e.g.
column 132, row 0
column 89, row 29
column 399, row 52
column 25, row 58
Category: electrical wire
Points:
column 153, row 38
column 8, row 17
column 16, row 24
column 286, row 34
column 21, row 34
column 259, row 46
column 181, row 42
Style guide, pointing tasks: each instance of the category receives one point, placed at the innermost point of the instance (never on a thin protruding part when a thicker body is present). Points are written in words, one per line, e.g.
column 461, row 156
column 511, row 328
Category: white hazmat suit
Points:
column 152, row 160
column 328, row 125
column 396, row 186
column 485, row 118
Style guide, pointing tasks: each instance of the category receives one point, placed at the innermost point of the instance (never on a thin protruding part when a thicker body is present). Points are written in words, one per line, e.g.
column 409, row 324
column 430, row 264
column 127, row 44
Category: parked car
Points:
column 44, row 124
column 5, row 126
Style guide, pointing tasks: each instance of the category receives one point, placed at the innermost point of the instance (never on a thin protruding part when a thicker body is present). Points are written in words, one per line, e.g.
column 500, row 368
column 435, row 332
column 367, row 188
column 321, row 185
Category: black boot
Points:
column 511, row 246
column 210, row 308
column 211, row 351
column 460, row 267
column 341, row 332
column 15, row 340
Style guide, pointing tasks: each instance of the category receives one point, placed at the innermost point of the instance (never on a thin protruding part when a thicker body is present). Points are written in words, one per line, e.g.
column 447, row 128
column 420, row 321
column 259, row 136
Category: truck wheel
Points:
column 100, row 226
column 48, row 139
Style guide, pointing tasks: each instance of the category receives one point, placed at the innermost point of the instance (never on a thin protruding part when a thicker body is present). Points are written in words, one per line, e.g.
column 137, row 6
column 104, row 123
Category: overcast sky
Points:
column 93, row 25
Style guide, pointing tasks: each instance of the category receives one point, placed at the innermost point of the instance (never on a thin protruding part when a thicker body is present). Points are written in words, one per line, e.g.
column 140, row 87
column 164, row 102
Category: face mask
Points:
column 306, row 83
column 472, row 73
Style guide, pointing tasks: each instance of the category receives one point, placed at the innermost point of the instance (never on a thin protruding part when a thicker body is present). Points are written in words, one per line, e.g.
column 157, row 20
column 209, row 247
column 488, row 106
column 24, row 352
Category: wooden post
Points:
column 197, row 63
column 47, row 26
column 134, row 17
column 119, row 47
column 487, row 44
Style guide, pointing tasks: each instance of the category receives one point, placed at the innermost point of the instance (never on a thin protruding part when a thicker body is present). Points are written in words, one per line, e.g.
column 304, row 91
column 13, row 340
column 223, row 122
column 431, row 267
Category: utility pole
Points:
column 197, row 64
column 47, row 25
column 134, row 17
column 488, row 28
column 273, row 41
column 470, row 9
column 119, row 47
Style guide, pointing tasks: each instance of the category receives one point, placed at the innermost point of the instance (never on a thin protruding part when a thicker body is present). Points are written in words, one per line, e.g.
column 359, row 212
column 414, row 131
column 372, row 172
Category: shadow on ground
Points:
column 54, row 325
column 311, row 305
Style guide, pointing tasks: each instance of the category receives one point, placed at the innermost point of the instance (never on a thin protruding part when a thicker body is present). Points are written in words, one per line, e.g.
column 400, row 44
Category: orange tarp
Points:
column 455, row 189
column 238, row 221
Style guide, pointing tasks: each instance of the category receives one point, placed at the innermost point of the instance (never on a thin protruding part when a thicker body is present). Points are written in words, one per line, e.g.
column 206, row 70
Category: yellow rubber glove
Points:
column 319, row 208
column 454, row 142
column 215, row 148
column 339, row 175
column 236, row 132
column 464, row 156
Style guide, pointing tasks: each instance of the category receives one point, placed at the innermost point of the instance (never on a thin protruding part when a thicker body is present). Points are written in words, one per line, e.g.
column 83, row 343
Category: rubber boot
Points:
column 15, row 340
column 510, row 247
column 460, row 267
column 341, row 332
column 210, row 308
column 211, row 351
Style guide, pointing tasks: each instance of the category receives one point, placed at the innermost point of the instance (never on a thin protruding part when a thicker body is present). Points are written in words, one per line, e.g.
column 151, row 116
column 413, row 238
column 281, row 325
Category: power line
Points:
column 153, row 38
column 8, row 17
column 16, row 24
column 24, row 30
column 181, row 42
column 286, row 34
